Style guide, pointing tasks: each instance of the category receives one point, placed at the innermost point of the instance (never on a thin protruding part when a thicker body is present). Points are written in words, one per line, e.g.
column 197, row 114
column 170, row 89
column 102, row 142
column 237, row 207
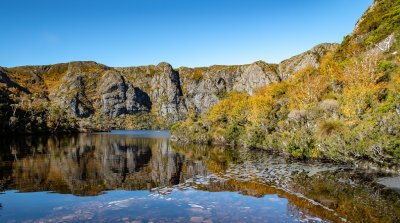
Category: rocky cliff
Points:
column 87, row 89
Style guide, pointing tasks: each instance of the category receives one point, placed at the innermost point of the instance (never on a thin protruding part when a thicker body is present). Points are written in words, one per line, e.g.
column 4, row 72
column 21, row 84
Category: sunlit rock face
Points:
column 119, row 97
column 311, row 58
column 167, row 93
column 204, row 87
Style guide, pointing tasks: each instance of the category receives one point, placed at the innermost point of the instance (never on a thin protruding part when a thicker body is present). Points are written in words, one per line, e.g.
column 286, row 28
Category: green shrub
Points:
column 329, row 127
column 385, row 65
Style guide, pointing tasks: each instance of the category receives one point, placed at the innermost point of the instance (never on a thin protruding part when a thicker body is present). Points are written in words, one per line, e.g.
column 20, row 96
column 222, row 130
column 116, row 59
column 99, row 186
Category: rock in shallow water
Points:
column 391, row 182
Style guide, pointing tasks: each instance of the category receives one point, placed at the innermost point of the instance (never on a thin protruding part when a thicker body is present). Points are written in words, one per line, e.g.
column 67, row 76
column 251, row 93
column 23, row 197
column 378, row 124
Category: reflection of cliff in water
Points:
column 90, row 164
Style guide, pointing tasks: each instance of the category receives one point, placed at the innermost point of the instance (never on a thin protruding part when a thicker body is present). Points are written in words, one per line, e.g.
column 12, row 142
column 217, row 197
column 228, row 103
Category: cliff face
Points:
column 88, row 89
column 204, row 87
column 311, row 58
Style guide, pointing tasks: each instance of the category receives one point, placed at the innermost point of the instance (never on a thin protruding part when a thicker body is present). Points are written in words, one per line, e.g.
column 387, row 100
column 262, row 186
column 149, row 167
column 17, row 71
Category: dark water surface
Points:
column 139, row 176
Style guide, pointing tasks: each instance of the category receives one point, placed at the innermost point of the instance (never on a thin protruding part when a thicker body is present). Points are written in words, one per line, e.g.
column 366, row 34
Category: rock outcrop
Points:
column 119, row 97
column 204, row 87
column 71, row 95
column 289, row 67
column 167, row 93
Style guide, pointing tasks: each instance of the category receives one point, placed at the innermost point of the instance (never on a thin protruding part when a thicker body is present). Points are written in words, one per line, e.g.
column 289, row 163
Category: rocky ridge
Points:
column 88, row 88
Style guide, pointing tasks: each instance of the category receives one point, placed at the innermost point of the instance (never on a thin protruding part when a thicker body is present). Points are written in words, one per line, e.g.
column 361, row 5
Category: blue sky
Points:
column 181, row 32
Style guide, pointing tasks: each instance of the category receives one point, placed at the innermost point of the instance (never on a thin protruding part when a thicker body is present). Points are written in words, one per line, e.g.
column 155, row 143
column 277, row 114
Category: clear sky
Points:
column 181, row 32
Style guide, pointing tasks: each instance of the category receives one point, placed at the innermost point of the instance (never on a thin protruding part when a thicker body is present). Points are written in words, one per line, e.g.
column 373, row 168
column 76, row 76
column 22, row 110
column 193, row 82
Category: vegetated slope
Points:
column 345, row 109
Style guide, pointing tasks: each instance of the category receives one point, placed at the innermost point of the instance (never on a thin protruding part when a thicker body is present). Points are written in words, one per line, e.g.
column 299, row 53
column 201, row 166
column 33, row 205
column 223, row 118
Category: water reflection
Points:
column 91, row 164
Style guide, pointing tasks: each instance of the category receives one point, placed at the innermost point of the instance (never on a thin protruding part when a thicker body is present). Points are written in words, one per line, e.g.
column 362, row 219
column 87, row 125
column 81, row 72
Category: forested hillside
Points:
column 346, row 109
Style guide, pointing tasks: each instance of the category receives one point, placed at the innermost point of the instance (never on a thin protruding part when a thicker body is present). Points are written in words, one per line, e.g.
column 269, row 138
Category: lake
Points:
column 140, row 176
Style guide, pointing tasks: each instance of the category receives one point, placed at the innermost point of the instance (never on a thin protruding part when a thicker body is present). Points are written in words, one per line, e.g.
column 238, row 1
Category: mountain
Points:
column 87, row 95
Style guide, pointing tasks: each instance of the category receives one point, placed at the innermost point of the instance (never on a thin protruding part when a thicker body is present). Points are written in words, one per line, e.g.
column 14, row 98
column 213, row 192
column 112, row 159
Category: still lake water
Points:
column 140, row 176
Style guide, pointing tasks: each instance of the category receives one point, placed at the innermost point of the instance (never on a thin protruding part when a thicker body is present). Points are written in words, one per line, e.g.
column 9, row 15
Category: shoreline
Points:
column 362, row 164
column 358, row 163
